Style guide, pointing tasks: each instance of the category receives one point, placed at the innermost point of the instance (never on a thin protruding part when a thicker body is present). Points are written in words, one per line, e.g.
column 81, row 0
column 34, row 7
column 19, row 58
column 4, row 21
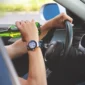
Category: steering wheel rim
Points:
column 69, row 38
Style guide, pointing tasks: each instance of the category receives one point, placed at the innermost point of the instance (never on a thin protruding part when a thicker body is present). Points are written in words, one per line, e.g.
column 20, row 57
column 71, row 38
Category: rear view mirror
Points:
column 49, row 11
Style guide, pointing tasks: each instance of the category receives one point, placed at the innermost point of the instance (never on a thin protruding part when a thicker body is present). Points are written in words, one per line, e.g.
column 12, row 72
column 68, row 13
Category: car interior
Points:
column 63, row 49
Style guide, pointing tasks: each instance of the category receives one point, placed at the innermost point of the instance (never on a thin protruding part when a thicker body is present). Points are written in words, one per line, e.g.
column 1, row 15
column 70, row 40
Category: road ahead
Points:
column 11, row 18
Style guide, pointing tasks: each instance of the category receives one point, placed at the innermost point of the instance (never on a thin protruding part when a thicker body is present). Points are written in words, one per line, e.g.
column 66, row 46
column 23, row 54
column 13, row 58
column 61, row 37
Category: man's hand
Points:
column 58, row 21
column 28, row 30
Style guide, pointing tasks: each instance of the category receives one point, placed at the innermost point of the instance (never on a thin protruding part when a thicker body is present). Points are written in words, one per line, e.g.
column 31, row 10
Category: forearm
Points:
column 45, row 28
column 55, row 22
column 18, row 48
column 37, row 72
column 15, row 49
column 10, row 51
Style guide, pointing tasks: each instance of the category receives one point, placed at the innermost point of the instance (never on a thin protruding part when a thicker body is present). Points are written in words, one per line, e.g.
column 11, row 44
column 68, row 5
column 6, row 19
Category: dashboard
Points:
column 78, row 33
column 59, row 35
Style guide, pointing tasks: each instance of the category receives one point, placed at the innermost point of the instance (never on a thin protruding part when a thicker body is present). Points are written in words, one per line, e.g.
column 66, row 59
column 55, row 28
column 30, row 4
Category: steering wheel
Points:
column 57, row 47
column 69, row 38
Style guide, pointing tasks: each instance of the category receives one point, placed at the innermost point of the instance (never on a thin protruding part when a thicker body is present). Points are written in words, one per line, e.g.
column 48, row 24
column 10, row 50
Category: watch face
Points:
column 32, row 44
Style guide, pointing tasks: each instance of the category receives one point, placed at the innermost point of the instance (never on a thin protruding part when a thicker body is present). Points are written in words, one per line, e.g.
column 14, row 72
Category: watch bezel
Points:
column 29, row 47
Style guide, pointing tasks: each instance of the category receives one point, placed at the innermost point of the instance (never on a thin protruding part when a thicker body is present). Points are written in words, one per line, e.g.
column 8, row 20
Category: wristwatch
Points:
column 32, row 45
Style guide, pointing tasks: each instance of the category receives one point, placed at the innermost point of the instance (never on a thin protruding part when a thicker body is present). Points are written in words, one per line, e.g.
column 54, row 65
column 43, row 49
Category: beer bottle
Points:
column 13, row 31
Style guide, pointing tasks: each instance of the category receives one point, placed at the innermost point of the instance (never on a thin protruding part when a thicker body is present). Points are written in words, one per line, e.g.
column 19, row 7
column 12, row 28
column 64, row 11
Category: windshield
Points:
column 75, row 6
column 14, row 10
column 83, row 1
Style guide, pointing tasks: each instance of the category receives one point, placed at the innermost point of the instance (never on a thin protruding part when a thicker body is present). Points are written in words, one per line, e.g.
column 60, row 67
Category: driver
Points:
column 37, row 74
column 15, row 49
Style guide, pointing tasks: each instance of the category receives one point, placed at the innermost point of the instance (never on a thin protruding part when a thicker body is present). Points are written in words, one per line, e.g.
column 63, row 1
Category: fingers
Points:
column 18, row 24
column 66, row 17
column 33, row 21
column 28, row 30
column 59, row 20
column 23, row 23
column 27, row 22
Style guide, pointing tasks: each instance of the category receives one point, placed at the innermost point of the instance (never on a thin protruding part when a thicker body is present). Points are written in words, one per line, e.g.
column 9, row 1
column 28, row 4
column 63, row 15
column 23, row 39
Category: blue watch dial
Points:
column 32, row 45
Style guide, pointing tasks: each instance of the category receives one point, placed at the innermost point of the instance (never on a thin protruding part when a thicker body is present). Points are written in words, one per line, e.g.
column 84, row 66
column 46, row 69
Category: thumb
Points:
column 18, row 24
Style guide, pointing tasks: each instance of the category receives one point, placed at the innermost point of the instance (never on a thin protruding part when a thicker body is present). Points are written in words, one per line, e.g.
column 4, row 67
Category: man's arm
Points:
column 55, row 22
column 18, row 48
column 37, row 72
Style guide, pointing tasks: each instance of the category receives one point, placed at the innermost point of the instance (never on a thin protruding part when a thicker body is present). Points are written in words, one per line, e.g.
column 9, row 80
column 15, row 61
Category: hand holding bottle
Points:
column 28, row 30
column 13, row 31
